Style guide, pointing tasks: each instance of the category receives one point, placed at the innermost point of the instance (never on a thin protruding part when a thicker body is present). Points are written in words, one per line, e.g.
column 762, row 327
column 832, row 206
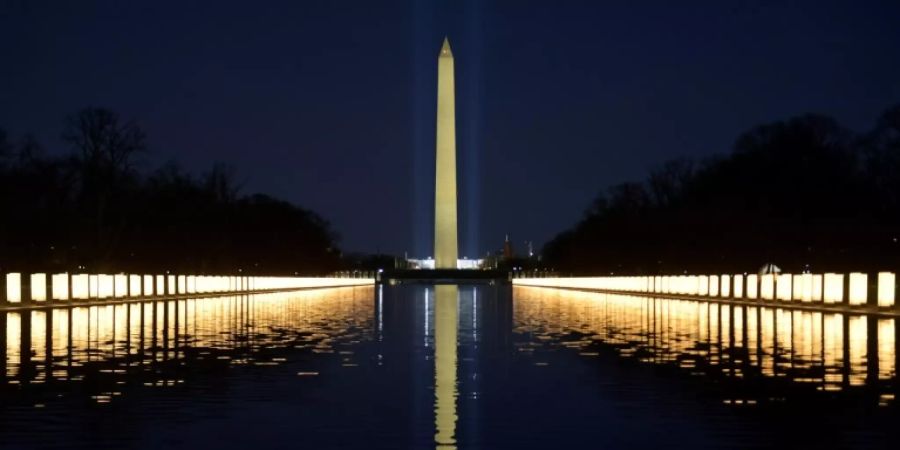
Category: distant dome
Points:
column 769, row 268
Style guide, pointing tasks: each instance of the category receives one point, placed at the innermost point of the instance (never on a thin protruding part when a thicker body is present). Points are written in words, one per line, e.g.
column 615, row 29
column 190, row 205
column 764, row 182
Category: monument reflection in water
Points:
column 446, row 325
column 445, row 366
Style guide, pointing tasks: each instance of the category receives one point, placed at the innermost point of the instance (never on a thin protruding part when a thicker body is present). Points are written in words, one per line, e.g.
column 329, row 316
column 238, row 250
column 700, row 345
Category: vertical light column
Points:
column 445, row 244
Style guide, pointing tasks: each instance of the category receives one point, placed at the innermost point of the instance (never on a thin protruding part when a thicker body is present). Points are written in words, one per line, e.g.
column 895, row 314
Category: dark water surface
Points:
column 421, row 366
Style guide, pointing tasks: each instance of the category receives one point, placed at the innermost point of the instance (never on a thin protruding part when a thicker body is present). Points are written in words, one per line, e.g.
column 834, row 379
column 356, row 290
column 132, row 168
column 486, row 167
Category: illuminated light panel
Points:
column 81, row 287
column 148, row 285
column 134, row 285
column 14, row 287
column 738, row 286
column 857, row 293
column 767, row 286
column 817, row 286
column 752, row 286
column 725, row 285
column 60, row 286
column 833, row 288
column 783, row 287
column 713, row 286
column 38, row 287
column 886, row 289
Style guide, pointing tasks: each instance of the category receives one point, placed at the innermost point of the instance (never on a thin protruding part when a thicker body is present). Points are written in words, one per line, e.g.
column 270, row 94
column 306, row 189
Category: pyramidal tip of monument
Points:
column 445, row 49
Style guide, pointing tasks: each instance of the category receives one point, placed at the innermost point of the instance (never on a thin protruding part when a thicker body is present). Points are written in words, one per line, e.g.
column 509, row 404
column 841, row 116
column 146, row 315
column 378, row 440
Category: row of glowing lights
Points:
column 109, row 286
column 807, row 287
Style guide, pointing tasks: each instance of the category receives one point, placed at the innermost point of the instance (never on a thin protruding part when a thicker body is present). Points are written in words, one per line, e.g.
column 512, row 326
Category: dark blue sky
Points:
column 331, row 104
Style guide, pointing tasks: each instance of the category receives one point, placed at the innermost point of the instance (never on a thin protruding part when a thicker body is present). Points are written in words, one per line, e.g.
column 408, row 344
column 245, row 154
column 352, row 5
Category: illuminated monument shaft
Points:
column 445, row 245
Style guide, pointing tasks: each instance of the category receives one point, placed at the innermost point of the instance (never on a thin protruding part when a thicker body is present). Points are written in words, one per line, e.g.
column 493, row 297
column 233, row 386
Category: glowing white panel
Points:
column 738, row 286
column 182, row 284
column 857, row 292
column 120, row 285
column 134, row 285
column 14, row 287
column 886, row 289
column 39, row 287
column 60, row 282
column 106, row 286
column 713, row 286
column 81, row 287
column 752, row 286
column 833, row 290
column 170, row 284
column 817, row 286
column 725, row 285
column 148, row 285
column 805, row 285
column 160, row 284
column 767, row 286
column 93, row 286
column 783, row 287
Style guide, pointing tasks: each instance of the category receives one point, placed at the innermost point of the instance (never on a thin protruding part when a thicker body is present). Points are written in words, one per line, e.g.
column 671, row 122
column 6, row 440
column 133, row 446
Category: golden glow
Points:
column 806, row 287
column 120, row 285
column 833, row 291
column 71, row 338
column 14, row 287
column 783, row 286
column 886, row 289
column 752, row 286
column 134, row 286
column 60, row 283
column 801, row 346
column 858, row 289
column 817, row 287
column 767, row 286
column 148, row 285
column 446, row 323
column 38, row 287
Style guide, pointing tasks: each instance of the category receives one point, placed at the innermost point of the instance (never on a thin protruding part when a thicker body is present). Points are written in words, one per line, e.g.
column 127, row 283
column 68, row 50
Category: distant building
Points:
column 428, row 263
column 507, row 248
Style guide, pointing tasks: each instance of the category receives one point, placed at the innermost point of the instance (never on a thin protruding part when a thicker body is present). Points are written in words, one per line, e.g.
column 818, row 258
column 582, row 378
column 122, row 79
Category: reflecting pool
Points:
column 423, row 366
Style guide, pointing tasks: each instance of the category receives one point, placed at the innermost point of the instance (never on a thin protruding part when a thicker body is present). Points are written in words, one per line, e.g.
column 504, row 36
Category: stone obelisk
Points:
column 445, row 246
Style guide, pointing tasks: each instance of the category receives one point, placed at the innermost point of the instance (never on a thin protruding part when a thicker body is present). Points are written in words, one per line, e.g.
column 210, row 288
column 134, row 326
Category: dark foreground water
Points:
column 420, row 366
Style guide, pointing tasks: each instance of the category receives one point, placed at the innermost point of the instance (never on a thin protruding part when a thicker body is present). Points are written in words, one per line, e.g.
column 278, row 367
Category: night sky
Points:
column 331, row 104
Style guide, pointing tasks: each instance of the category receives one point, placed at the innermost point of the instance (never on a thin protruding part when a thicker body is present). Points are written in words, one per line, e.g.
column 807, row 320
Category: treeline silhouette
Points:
column 92, row 210
column 804, row 194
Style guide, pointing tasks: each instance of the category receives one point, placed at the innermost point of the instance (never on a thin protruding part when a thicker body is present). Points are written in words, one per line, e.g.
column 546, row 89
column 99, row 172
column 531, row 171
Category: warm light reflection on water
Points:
column 825, row 351
column 446, row 327
column 145, row 343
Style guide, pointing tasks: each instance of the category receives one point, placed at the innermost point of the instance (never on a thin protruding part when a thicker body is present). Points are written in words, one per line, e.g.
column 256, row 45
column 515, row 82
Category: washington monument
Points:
column 445, row 245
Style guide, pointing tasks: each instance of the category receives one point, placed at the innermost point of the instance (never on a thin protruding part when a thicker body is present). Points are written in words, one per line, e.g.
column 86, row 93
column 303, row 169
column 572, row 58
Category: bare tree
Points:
column 106, row 147
column 103, row 140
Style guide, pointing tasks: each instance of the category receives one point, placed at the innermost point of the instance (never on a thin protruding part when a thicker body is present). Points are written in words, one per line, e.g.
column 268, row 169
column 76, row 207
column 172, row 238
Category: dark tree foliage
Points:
column 804, row 193
column 92, row 211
